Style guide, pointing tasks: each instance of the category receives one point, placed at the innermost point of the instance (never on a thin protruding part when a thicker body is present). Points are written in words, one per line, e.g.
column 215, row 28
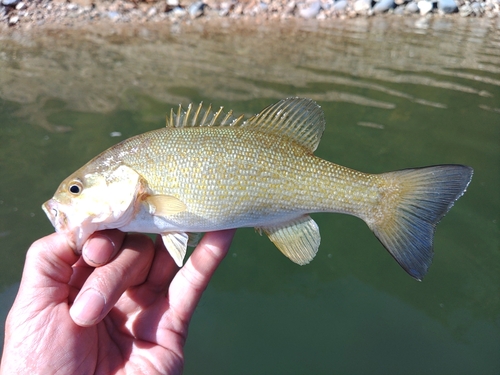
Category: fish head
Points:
column 94, row 199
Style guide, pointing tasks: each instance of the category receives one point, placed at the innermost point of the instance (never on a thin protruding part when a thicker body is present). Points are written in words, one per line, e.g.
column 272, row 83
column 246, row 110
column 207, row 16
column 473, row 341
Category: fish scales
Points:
column 232, row 176
column 208, row 171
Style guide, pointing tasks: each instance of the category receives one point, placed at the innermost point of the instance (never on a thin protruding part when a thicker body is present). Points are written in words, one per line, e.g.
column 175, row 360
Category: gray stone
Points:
column 113, row 15
column 465, row 10
column 411, row 7
column 340, row 6
column 326, row 5
column 310, row 10
column 10, row 3
column 383, row 6
column 399, row 11
column 447, row 6
column 477, row 8
column 196, row 9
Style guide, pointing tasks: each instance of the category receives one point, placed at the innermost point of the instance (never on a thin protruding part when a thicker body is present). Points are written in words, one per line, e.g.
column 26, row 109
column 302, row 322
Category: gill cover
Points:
column 107, row 199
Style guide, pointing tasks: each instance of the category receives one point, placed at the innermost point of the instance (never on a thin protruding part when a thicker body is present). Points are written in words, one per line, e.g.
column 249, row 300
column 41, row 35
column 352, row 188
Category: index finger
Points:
column 188, row 285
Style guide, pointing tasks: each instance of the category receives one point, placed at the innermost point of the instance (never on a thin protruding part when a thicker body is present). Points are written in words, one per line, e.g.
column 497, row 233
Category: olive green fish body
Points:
column 208, row 171
column 232, row 177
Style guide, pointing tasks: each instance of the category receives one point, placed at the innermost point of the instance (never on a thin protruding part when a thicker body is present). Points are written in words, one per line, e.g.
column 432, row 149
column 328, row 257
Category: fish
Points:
column 209, row 170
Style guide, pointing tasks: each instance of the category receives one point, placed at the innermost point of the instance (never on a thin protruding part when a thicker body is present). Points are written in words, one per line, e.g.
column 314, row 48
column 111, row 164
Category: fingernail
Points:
column 87, row 308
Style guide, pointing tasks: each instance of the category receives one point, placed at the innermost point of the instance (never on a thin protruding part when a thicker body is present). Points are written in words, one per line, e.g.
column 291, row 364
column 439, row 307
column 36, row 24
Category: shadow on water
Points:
column 396, row 93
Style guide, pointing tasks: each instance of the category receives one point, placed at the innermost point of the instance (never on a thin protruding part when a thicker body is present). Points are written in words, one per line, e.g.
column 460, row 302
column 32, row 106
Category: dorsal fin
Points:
column 300, row 119
column 201, row 117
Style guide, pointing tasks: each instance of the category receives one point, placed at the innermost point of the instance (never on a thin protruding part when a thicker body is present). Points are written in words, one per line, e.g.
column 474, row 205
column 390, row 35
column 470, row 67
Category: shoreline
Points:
column 18, row 14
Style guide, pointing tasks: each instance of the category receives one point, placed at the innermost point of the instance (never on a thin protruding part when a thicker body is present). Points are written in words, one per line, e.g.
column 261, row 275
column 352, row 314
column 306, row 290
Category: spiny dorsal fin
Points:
column 299, row 119
column 201, row 117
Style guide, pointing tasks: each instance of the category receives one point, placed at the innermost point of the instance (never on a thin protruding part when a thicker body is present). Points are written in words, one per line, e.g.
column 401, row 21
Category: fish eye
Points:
column 75, row 187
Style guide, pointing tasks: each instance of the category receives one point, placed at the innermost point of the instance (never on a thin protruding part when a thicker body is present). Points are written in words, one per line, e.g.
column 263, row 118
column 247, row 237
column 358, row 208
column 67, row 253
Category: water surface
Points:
column 396, row 93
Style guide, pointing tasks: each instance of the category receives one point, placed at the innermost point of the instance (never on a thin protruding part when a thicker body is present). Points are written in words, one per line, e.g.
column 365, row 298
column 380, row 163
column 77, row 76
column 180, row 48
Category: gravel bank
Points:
column 74, row 13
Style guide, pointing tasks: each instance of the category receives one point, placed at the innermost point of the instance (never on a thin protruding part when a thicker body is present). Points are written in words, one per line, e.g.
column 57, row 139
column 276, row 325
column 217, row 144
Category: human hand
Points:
column 123, row 307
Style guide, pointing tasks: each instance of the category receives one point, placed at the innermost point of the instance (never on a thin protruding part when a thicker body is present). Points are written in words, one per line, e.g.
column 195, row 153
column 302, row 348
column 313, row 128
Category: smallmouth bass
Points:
column 208, row 171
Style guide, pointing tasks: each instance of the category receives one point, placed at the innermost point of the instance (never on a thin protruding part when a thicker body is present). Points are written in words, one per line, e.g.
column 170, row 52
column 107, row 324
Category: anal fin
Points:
column 176, row 244
column 298, row 239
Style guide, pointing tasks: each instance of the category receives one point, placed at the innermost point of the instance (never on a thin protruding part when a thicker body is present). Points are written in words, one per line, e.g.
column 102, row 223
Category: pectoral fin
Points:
column 165, row 205
column 176, row 244
column 298, row 239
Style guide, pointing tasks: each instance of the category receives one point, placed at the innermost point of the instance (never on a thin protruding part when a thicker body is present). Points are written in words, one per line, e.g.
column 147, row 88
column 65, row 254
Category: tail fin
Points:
column 415, row 201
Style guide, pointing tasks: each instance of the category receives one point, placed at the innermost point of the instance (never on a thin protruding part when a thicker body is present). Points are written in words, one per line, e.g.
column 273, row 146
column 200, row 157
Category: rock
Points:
column 399, row 11
column 411, row 7
column 310, row 9
column 225, row 8
column 465, row 10
column 177, row 12
column 196, row 9
column 83, row 3
column 424, row 7
column 113, row 15
column 13, row 20
column 21, row 6
column 151, row 12
column 362, row 6
column 340, row 6
column 172, row 3
column 327, row 5
column 383, row 6
column 10, row 3
column 447, row 6
column 477, row 8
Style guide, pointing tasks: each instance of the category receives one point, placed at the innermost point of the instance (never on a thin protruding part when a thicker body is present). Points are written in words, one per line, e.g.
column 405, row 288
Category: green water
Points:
column 396, row 94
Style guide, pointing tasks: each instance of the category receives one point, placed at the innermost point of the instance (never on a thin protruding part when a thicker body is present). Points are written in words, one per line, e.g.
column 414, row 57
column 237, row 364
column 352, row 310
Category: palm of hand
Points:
column 132, row 316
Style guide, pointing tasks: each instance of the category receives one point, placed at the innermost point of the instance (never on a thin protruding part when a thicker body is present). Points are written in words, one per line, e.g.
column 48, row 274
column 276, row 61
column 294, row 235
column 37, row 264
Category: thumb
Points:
column 48, row 264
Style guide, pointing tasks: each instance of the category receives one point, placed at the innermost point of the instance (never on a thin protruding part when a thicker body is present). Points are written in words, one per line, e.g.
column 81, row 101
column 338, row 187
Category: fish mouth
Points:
column 75, row 234
column 50, row 209
column 56, row 216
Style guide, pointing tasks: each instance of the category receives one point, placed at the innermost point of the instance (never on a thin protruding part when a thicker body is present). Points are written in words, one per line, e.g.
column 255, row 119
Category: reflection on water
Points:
column 396, row 93
column 101, row 71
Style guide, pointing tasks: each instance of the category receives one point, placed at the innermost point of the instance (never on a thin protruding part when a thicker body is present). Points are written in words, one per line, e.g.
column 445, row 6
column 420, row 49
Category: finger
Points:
column 107, row 283
column 48, row 261
column 162, row 270
column 102, row 246
column 192, row 279
column 97, row 250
